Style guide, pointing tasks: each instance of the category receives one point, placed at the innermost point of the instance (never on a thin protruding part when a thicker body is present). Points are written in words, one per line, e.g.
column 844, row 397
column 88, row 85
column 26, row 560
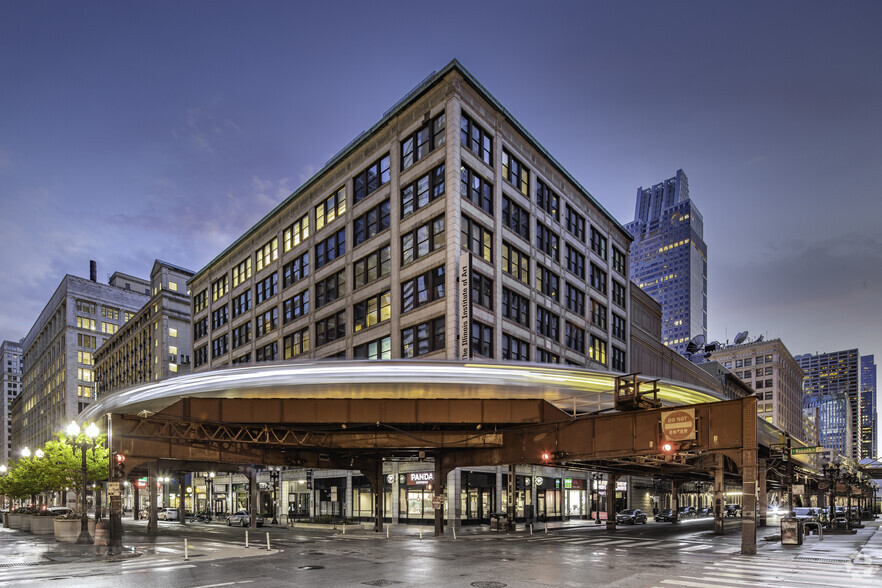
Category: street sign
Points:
column 798, row 489
column 804, row 450
column 114, row 489
column 678, row 425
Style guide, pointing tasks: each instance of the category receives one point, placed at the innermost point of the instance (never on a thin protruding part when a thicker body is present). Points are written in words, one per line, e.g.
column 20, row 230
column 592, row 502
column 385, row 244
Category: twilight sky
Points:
column 131, row 131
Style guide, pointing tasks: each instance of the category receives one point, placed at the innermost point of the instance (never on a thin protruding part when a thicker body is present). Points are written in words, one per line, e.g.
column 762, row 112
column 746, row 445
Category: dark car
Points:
column 704, row 512
column 631, row 516
column 665, row 515
column 733, row 510
column 687, row 512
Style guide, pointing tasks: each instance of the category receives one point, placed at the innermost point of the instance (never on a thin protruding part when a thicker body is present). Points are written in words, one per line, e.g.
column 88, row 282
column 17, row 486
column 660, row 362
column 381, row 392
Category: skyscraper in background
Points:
column 669, row 258
column 869, row 419
column 832, row 384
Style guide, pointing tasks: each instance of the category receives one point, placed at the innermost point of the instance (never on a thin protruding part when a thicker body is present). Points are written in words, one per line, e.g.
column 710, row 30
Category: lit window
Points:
column 173, row 286
column 172, row 332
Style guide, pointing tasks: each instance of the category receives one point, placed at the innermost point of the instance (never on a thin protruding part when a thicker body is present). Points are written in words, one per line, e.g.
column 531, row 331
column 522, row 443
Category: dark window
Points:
column 477, row 239
column 476, row 189
column 598, row 314
column 422, row 192
column 618, row 326
column 368, row 181
column 598, row 279
column 376, row 349
column 241, row 334
column 515, row 217
column 618, row 293
column 422, row 240
column 515, row 262
column 423, row 338
column 330, row 208
column 267, row 322
column 220, row 317
column 296, row 343
column 575, row 338
column 515, row 349
column 200, row 356
column 482, row 291
column 370, row 223
column 331, row 248
column 242, row 303
column 266, row 288
column 619, row 262
column 515, row 307
column 575, row 262
column 220, row 345
column 200, row 328
column 372, row 267
column 422, row 289
column 575, row 299
column 242, row 359
column 547, row 323
column 295, row 270
column 547, row 282
column 516, row 174
column 618, row 359
column 598, row 243
column 295, row 307
column 330, row 289
column 372, row 311
column 575, row 223
column 330, row 328
column 482, row 340
column 547, row 200
column 419, row 144
column 545, row 356
column 547, row 241
column 269, row 352
column 476, row 139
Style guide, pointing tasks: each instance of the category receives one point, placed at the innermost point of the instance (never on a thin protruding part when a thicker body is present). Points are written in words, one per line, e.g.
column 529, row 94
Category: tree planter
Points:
column 42, row 525
column 15, row 520
column 67, row 530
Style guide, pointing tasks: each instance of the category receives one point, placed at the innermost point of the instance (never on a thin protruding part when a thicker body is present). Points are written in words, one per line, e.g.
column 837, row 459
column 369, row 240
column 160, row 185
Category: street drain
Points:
column 822, row 559
column 311, row 568
column 381, row 582
column 488, row 584
column 19, row 564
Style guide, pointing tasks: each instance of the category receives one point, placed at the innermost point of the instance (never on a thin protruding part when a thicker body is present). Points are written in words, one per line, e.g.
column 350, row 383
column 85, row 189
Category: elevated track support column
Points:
column 718, row 494
column 152, row 521
column 252, row 497
column 675, row 502
column 611, row 501
column 749, row 457
column 439, row 495
column 763, row 492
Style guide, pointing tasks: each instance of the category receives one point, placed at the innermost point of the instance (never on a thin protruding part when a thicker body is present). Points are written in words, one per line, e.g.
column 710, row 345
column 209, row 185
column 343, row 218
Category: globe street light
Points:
column 91, row 432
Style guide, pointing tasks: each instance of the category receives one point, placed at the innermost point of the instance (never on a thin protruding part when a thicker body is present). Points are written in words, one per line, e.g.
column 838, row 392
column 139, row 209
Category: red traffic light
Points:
column 120, row 458
column 545, row 456
column 667, row 447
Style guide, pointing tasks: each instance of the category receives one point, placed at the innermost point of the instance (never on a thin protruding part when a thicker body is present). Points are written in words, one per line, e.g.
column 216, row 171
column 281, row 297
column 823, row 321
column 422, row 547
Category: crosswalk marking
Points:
column 697, row 547
column 764, row 572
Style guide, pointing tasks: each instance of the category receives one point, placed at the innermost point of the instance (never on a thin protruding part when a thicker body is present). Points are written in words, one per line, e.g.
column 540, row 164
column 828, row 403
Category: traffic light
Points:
column 119, row 468
column 545, row 456
column 668, row 448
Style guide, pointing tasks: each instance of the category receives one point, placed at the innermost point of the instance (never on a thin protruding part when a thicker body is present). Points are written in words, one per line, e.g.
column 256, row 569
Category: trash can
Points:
column 499, row 522
column 791, row 531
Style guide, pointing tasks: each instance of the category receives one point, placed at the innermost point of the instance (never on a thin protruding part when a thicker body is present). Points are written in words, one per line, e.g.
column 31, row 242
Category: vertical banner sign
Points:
column 465, row 303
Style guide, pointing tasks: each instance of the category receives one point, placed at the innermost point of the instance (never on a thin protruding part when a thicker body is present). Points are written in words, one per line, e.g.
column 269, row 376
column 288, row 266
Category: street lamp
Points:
column 597, row 478
column 91, row 432
column 210, row 484
column 275, row 472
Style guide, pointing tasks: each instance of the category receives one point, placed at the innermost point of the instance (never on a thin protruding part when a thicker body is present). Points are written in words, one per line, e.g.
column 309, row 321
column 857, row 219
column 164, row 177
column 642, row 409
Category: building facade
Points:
column 58, row 352
column 369, row 259
column 832, row 384
column 10, row 385
column 776, row 378
column 669, row 258
column 869, row 415
column 155, row 343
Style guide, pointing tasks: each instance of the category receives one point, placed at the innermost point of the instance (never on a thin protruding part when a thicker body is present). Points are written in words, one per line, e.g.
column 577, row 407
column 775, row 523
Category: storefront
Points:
column 477, row 503
column 330, row 496
column 575, row 491
column 523, row 497
column 621, row 497
column 416, row 490
column 362, row 499
column 548, row 499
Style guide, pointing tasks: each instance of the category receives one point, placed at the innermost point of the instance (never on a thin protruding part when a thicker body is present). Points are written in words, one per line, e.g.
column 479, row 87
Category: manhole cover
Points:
column 488, row 584
column 311, row 568
column 381, row 582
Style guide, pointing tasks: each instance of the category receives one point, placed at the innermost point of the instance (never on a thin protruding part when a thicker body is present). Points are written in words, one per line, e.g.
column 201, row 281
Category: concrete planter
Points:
column 67, row 530
column 42, row 525
column 5, row 519
column 15, row 521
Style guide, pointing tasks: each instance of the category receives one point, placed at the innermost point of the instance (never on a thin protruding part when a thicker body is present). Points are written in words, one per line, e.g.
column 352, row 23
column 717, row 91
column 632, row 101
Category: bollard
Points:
column 246, row 539
column 546, row 527
column 387, row 532
column 344, row 528
column 421, row 534
column 186, row 552
column 454, row 532
column 267, row 542
column 531, row 529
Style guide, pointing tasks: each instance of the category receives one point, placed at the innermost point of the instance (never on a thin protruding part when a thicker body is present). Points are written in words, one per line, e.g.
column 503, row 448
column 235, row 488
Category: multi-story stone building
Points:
column 669, row 258
column 369, row 258
column 775, row 376
column 869, row 415
column 832, row 383
column 155, row 343
column 10, row 387
column 58, row 352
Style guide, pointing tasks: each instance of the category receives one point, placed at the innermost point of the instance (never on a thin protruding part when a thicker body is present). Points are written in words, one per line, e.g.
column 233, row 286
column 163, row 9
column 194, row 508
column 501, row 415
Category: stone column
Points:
column 611, row 501
column 395, row 493
column 454, row 497
column 347, row 513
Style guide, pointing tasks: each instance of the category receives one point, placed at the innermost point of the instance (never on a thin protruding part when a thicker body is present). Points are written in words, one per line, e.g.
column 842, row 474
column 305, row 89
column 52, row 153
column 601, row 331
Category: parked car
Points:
column 167, row 514
column 704, row 512
column 664, row 515
column 805, row 513
column 733, row 510
column 631, row 516
column 242, row 519
column 59, row 510
column 687, row 512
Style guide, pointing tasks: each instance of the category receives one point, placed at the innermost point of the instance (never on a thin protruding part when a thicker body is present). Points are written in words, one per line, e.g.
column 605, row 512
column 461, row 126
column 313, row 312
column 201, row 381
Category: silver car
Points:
column 167, row 514
column 242, row 519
